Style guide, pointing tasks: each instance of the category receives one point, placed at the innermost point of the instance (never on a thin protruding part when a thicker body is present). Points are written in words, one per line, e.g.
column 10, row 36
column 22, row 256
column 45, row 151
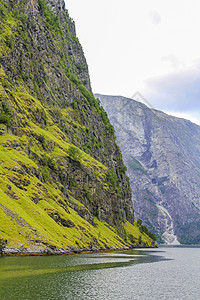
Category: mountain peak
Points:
column 162, row 156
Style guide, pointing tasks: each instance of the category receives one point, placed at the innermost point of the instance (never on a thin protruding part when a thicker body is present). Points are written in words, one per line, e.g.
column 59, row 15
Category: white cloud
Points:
column 125, row 45
column 177, row 91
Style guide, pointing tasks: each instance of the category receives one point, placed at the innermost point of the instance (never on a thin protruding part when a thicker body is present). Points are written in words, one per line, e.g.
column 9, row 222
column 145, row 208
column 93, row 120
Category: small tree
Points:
column 139, row 222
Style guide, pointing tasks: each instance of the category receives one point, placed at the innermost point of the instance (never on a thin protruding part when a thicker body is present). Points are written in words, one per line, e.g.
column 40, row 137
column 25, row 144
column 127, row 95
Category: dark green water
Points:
column 165, row 273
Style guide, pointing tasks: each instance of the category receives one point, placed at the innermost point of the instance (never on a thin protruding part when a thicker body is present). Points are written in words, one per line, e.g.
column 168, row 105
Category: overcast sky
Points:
column 148, row 46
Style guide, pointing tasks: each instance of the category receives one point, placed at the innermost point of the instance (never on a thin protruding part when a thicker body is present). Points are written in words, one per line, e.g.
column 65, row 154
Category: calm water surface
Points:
column 164, row 273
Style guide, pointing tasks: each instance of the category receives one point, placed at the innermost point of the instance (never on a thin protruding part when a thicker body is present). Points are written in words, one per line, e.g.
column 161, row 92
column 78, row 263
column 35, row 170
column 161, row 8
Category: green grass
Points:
column 35, row 221
column 133, row 229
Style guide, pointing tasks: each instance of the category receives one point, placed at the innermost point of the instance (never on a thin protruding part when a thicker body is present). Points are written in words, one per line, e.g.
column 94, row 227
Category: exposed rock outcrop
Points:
column 162, row 155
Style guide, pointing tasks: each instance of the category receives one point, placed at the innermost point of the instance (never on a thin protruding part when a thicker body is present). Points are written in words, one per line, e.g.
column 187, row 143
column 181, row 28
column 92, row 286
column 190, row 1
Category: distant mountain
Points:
column 162, row 155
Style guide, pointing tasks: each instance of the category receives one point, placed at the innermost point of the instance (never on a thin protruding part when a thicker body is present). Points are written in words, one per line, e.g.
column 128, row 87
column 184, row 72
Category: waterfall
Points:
column 167, row 224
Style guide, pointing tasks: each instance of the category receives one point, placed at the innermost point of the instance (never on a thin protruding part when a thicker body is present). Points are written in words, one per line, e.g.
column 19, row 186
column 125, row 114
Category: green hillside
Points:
column 63, row 185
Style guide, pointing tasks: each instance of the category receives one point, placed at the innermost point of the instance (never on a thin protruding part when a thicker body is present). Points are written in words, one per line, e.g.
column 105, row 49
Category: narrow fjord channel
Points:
column 164, row 273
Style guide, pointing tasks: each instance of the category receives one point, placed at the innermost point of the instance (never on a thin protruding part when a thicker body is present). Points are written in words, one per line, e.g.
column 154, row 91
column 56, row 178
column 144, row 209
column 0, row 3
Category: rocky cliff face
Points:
column 162, row 155
column 62, row 180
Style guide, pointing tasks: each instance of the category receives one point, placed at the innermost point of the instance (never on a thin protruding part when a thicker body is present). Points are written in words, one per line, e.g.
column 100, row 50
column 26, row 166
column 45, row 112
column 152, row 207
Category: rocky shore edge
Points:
column 34, row 250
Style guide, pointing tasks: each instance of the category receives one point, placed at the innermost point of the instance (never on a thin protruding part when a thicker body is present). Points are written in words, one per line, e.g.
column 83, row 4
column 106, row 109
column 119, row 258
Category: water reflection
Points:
column 11, row 267
column 67, row 277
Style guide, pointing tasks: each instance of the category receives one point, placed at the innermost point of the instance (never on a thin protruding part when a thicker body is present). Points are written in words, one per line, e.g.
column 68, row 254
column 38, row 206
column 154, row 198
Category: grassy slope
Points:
column 25, row 222
column 29, row 197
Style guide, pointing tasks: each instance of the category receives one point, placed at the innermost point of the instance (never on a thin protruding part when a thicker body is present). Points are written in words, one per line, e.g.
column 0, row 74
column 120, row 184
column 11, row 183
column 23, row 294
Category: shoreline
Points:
column 72, row 251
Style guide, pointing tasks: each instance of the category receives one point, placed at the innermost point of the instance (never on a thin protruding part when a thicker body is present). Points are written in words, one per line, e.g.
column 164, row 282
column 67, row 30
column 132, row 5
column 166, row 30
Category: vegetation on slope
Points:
column 62, row 180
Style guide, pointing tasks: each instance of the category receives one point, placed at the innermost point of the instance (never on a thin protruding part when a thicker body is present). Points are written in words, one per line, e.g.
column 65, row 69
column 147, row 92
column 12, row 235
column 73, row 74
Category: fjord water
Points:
column 164, row 273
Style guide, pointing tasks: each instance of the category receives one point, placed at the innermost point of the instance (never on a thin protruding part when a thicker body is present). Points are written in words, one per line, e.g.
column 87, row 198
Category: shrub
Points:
column 45, row 160
column 74, row 153
column 5, row 119
column 139, row 222
column 20, row 16
column 73, row 182
column 112, row 178
column 23, row 18
column 74, row 105
column 132, row 238
column 5, row 115
column 86, row 193
column 105, row 120
column 52, row 20
column 123, row 170
column 144, row 229
column 45, row 173
column 44, row 117
column 42, row 140
column 52, row 164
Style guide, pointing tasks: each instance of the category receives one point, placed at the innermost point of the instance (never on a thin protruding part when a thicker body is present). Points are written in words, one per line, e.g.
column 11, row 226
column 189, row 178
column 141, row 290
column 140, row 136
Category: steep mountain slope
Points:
column 63, row 186
column 162, row 155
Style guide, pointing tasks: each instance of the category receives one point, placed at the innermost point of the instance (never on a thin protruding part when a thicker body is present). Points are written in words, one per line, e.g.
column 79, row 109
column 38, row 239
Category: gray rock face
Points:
column 162, row 155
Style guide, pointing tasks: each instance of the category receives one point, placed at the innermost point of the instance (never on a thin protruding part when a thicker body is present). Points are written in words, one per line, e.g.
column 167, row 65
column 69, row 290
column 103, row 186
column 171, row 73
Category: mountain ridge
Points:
column 162, row 157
